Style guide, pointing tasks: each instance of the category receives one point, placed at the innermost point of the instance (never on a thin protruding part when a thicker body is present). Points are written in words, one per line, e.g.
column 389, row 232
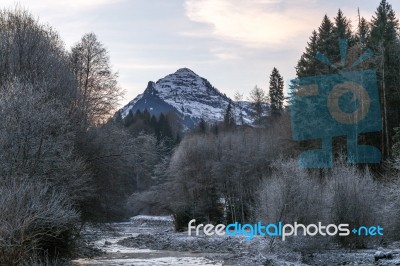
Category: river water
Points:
column 116, row 254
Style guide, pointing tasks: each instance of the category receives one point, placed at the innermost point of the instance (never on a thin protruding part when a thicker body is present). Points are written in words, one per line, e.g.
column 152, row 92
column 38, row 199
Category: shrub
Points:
column 344, row 194
column 290, row 195
column 34, row 219
column 352, row 199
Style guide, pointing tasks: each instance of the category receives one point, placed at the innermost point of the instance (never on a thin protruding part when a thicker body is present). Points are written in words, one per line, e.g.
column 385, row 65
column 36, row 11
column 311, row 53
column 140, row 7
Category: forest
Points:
column 69, row 159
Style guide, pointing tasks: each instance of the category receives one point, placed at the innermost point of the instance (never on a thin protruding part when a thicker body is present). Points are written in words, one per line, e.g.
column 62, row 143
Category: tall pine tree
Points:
column 385, row 44
column 341, row 30
column 384, row 25
column 276, row 96
column 326, row 44
column 325, row 41
column 307, row 64
column 363, row 31
column 342, row 27
column 229, row 117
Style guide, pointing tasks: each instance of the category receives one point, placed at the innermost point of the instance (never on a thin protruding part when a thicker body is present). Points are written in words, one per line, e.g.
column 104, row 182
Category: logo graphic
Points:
column 281, row 230
column 341, row 104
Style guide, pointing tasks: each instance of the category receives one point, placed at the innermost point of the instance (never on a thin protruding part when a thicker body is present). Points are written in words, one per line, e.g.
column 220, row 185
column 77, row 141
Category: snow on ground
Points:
column 187, row 261
column 116, row 254
column 149, row 240
column 168, row 218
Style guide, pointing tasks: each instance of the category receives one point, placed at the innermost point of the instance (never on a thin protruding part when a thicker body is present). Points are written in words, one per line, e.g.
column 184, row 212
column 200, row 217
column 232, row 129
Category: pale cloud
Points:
column 225, row 53
column 59, row 4
column 146, row 66
column 257, row 23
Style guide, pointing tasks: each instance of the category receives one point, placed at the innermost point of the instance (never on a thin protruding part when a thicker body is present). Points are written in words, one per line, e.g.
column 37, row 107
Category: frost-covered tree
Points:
column 258, row 99
column 37, row 140
column 34, row 53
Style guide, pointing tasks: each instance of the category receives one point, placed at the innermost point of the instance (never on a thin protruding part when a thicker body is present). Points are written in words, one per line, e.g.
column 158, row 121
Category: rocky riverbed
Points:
column 147, row 240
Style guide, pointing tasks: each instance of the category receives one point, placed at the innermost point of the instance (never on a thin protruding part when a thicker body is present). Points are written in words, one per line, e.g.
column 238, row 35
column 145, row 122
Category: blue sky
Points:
column 233, row 43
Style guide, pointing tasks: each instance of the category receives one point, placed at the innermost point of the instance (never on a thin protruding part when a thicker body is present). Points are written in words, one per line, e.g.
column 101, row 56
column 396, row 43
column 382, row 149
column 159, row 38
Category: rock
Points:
column 389, row 255
column 380, row 254
column 107, row 243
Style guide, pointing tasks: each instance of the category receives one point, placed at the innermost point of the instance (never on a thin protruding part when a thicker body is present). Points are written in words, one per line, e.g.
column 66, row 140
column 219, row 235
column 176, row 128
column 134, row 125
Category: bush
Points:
column 390, row 208
column 34, row 219
column 290, row 195
column 353, row 199
column 341, row 195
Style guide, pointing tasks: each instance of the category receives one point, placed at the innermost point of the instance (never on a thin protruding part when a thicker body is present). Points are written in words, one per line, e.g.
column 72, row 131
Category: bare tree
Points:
column 239, row 105
column 34, row 53
column 98, row 90
column 258, row 99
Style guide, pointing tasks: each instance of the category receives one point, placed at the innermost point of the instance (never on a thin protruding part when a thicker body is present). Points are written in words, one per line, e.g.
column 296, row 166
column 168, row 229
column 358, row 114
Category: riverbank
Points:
column 147, row 240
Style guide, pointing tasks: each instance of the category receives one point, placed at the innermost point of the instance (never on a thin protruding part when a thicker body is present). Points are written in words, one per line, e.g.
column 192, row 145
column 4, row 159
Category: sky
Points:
column 233, row 43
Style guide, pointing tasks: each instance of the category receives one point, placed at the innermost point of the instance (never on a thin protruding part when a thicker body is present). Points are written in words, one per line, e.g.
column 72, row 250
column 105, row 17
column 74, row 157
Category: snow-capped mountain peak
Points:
column 185, row 93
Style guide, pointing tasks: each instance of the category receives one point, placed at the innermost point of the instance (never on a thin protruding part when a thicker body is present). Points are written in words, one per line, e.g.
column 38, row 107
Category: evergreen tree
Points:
column 154, row 122
column 381, row 35
column 384, row 41
column 341, row 30
column 325, row 41
column 202, row 126
column 342, row 27
column 229, row 117
column 276, row 91
column 326, row 44
column 166, row 128
column 384, row 25
column 118, row 118
column 307, row 64
column 363, row 31
column 129, row 119
column 146, row 116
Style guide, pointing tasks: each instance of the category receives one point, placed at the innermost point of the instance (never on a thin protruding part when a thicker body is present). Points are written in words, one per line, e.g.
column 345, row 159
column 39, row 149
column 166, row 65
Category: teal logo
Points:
column 341, row 104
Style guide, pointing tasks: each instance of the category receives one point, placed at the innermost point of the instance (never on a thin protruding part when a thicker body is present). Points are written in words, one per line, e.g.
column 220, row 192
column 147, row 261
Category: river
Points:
column 116, row 254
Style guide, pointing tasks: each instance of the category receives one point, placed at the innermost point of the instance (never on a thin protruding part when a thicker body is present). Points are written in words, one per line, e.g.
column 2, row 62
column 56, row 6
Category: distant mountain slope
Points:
column 189, row 96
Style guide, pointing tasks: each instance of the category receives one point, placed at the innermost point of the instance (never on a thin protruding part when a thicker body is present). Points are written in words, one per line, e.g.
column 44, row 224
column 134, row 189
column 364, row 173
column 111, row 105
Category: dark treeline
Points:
column 165, row 127
column 381, row 36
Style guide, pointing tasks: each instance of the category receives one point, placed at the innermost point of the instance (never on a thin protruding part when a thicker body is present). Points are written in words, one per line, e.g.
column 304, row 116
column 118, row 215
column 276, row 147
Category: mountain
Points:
column 189, row 96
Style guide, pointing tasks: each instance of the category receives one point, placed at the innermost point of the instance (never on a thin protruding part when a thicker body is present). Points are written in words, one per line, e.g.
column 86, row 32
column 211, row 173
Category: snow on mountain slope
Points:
column 188, row 95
